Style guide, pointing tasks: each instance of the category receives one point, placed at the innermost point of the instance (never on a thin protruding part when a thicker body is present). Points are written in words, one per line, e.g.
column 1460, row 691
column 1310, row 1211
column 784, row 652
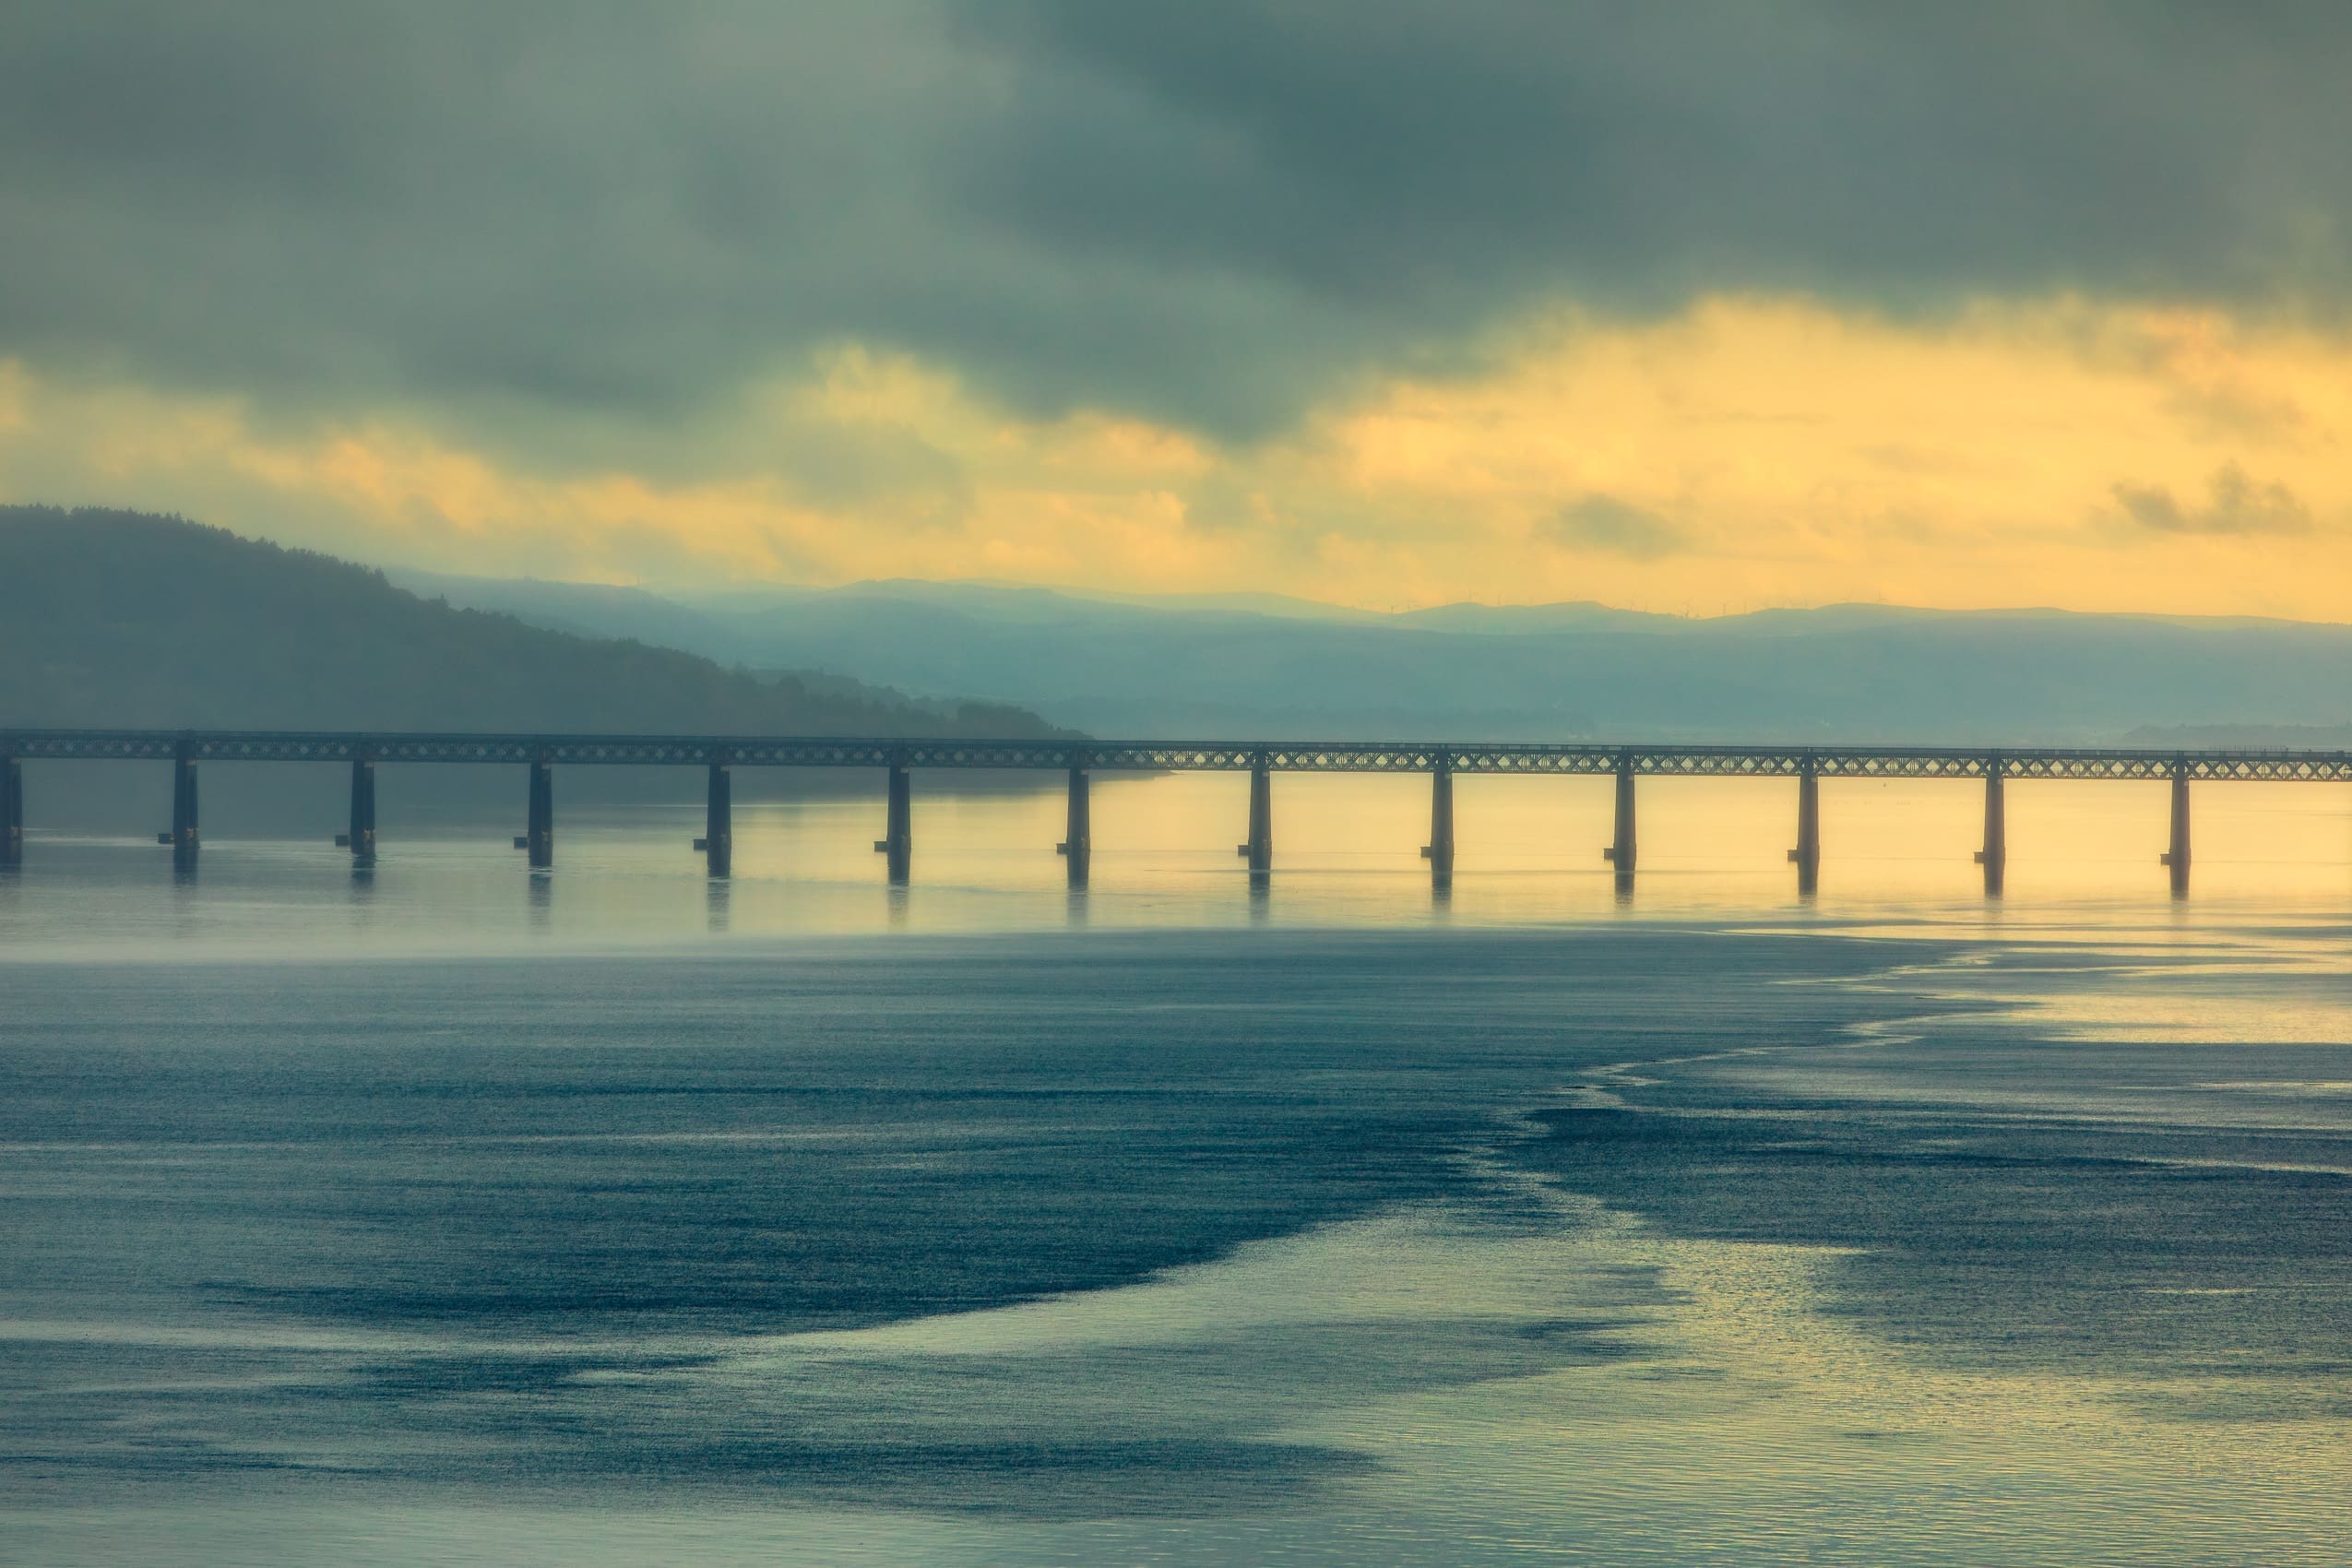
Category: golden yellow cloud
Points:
column 1749, row 452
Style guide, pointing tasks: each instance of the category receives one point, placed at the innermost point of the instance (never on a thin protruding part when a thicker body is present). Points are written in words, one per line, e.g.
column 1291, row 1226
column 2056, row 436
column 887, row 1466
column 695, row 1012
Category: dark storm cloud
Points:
column 1209, row 211
column 2234, row 504
column 1617, row 528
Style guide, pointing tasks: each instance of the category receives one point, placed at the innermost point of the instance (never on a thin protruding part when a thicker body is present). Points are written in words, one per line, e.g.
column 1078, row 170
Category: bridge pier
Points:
column 12, row 810
column 1994, row 856
column 538, row 831
column 1077, row 843
column 717, row 840
column 183, row 836
column 898, row 836
column 1622, row 853
column 1439, row 851
column 2177, row 856
column 361, row 839
column 1807, row 854
column 1259, row 850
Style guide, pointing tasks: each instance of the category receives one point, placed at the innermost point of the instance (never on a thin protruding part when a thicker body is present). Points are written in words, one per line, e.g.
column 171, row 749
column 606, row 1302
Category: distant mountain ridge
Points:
column 119, row 618
column 123, row 619
column 1213, row 668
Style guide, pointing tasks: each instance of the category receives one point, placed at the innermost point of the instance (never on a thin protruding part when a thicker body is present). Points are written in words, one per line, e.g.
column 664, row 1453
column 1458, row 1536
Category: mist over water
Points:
column 454, row 1212
column 2082, row 857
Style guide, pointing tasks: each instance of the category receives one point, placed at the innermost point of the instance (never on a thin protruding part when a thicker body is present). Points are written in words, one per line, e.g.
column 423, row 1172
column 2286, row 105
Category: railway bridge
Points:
column 897, row 759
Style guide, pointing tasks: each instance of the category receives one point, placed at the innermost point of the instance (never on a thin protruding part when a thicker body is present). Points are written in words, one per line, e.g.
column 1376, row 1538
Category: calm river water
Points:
column 454, row 1214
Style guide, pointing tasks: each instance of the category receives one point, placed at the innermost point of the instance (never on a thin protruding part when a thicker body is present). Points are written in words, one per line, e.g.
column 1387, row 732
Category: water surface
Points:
column 452, row 1213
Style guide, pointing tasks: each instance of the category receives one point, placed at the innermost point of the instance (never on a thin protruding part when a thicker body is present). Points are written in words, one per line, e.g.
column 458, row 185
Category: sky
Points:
column 1692, row 308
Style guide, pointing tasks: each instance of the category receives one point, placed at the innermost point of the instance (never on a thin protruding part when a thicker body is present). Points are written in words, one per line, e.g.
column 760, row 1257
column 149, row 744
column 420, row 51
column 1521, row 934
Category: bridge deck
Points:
column 1284, row 756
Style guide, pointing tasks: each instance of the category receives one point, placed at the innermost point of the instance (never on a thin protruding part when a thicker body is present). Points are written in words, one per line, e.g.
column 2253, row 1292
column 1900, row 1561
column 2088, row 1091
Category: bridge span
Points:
column 1078, row 759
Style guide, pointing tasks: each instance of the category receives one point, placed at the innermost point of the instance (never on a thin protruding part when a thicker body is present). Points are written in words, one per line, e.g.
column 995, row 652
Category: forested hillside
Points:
column 118, row 618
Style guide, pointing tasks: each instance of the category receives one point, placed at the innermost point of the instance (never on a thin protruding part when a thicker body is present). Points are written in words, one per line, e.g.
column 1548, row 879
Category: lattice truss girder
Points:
column 1336, row 756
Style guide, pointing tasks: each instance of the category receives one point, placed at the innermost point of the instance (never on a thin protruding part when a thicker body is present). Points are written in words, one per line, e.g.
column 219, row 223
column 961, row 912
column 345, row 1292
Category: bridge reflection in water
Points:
column 1078, row 760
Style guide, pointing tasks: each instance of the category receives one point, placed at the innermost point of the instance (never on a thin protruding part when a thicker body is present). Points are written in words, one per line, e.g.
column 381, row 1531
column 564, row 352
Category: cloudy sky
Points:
column 1687, row 307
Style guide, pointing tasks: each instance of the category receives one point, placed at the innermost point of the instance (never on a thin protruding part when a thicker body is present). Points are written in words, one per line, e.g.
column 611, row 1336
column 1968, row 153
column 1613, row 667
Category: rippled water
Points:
column 455, row 1214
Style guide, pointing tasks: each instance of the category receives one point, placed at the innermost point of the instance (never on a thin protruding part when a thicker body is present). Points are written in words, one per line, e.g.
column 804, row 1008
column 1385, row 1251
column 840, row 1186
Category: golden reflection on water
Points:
column 1740, row 1423
column 1759, row 1427
column 2083, row 860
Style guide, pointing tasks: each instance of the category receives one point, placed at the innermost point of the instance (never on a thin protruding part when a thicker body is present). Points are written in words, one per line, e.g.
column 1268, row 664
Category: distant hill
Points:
column 120, row 619
column 117, row 618
column 1268, row 667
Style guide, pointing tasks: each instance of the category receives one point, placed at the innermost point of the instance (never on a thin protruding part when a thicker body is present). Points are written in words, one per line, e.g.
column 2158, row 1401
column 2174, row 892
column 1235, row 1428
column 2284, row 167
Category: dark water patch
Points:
column 806, row 1141
column 436, row 1376
column 2123, row 1245
column 1047, row 1481
column 590, row 1190
column 1050, row 1433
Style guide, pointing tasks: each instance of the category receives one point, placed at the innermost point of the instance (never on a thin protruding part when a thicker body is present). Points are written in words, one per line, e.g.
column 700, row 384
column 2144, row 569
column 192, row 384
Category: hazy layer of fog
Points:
column 1258, row 666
